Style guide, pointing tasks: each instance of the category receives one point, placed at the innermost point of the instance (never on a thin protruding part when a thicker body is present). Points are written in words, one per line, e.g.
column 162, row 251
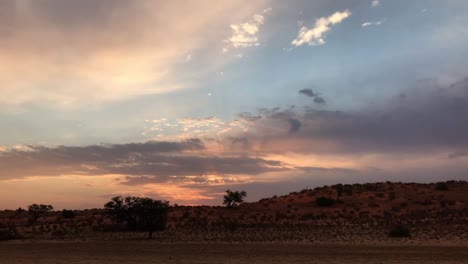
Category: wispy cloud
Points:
column 316, row 35
column 371, row 23
column 245, row 34
column 186, row 128
column 375, row 3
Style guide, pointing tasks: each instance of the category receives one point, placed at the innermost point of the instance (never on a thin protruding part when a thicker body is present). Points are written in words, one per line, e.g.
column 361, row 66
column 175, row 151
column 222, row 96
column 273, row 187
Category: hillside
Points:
column 347, row 213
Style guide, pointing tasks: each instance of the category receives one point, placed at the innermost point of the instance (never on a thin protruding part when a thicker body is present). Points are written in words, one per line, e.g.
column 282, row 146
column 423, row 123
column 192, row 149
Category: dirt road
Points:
column 123, row 252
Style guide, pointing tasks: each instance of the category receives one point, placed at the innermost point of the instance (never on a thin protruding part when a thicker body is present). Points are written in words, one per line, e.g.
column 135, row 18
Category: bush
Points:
column 8, row 235
column 400, row 231
column 441, row 186
column 324, row 201
column 67, row 214
column 348, row 189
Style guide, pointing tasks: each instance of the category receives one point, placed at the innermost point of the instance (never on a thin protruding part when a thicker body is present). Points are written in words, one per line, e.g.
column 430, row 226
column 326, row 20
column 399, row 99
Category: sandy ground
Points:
column 123, row 252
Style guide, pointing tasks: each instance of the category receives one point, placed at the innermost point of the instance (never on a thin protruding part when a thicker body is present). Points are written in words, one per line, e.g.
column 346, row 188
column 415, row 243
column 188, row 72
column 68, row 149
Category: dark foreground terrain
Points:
column 123, row 252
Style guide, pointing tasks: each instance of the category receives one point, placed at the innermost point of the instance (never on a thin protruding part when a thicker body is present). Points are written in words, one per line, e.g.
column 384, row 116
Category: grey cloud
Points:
column 458, row 154
column 319, row 100
column 294, row 125
column 103, row 153
column 249, row 117
column 243, row 142
column 163, row 161
column 429, row 118
column 308, row 92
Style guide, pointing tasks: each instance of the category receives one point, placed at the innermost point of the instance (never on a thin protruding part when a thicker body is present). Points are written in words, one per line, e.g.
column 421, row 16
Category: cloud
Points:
column 316, row 35
column 245, row 34
column 66, row 53
column 294, row 125
column 308, row 92
column 458, row 154
column 162, row 161
column 371, row 23
column 428, row 119
column 375, row 3
column 319, row 100
column 184, row 128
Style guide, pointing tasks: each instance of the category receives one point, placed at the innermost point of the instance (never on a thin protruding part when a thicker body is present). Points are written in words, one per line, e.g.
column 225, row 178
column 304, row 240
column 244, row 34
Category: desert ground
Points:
column 143, row 251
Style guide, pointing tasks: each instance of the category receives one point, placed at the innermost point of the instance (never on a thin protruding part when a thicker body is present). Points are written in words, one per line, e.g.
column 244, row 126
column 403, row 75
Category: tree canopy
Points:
column 139, row 213
column 235, row 198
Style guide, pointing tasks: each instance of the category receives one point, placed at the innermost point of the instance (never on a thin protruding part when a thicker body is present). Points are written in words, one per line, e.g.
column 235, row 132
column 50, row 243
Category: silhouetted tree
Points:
column 139, row 213
column 118, row 209
column 38, row 210
column 232, row 199
column 19, row 211
column 152, row 214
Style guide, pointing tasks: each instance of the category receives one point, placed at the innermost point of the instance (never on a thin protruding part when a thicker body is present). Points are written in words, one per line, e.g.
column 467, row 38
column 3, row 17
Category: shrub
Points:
column 399, row 231
column 348, row 190
column 324, row 201
column 441, row 186
column 186, row 215
column 8, row 234
column 38, row 210
column 380, row 195
column 67, row 214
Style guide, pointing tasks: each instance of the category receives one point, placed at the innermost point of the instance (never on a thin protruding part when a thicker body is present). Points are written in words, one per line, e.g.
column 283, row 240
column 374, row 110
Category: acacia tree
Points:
column 235, row 198
column 118, row 209
column 152, row 215
column 38, row 210
column 139, row 213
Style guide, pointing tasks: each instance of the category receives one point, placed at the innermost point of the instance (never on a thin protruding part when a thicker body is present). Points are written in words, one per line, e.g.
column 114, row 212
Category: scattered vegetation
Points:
column 38, row 210
column 338, row 211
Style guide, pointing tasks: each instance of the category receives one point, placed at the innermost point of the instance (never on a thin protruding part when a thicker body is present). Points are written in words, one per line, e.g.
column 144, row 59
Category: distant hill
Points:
column 367, row 212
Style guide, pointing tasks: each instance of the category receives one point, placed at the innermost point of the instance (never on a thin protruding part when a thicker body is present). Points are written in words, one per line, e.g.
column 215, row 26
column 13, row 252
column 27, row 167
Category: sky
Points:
column 181, row 100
